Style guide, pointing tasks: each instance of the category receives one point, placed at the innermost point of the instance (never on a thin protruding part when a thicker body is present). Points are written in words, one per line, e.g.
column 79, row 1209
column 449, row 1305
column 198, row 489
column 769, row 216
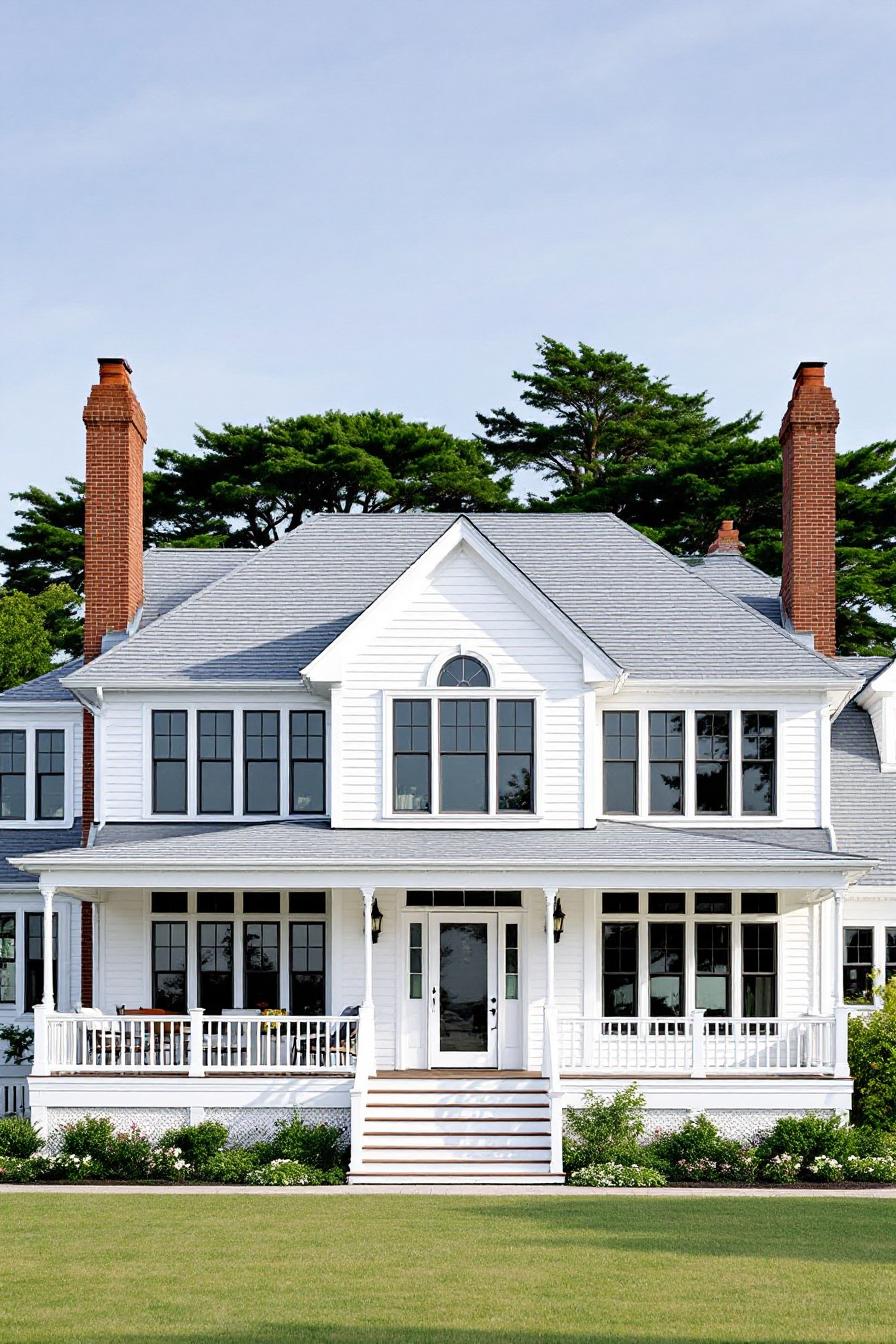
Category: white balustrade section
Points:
column 696, row 1046
column 197, row 1045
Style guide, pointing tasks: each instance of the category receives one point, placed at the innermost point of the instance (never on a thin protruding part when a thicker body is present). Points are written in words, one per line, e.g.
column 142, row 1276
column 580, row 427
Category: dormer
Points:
column 879, row 700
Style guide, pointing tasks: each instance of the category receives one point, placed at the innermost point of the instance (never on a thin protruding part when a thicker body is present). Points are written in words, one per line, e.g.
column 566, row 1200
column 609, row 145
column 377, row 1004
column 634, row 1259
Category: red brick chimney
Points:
column 727, row 541
column 113, row 506
column 808, row 444
column 113, row 555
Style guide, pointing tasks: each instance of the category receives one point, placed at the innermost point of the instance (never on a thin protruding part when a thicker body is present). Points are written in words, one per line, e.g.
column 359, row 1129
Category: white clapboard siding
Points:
column 801, row 762
column 124, row 951
column 464, row 604
column 795, row 956
column 123, row 766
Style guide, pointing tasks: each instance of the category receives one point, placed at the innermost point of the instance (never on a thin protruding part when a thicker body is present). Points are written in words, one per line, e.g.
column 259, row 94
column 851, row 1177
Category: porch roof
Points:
column 299, row 846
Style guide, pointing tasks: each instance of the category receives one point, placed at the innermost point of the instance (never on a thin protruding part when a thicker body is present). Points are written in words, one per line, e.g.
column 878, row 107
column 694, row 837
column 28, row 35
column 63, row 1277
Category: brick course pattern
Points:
column 809, row 448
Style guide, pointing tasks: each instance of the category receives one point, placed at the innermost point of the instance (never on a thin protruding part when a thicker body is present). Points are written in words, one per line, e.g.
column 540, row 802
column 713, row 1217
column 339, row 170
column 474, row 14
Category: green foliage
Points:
column 19, row 1170
column 872, row 1063
column 698, row 1152
column 866, row 1141
column 230, row 1167
column 18, row 1042
column 114, row 1155
column 286, row 1171
column 604, row 1130
column 198, row 1144
column 804, row 1138
column 617, row 1174
column 320, row 1146
column 31, row 630
column 92, row 1136
column 18, row 1137
column 782, row 1169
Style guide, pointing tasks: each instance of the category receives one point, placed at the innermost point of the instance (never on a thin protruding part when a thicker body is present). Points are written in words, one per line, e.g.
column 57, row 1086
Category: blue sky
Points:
column 272, row 208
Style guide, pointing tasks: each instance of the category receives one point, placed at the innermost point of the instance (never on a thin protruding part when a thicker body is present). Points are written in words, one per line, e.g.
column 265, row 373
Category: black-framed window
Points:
column 49, row 771
column 463, row 755
column 712, row 903
column 7, row 958
column 666, row 757
column 169, row 761
column 713, row 761
column 169, row 903
column 464, row 671
column 666, row 903
column 215, row 903
column 307, row 902
column 619, row 903
column 666, row 969
column 447, row 899
column 759, row 903
column 12, row 775
column 307, row 968
column 261, row 902
column 619, row 943
column 511, row 961
column 759, row 944
column 759, row 747
column 516, row 755
column 412, row 756
column 261, row 761
column 858, row 964
column 307, row 761
column 215, row 744
column 169, row 965
column 34, row 959
column 261, row 964
column 215, row 955
column 415, row 960
column 890, row 955
column 620, row 761
column 712, row 951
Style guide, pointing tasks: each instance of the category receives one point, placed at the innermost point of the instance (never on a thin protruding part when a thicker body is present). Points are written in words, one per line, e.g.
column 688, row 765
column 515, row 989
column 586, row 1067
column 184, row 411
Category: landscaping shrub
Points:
column 698, row 1152
column 604, row 1131
column 872, row 1063
column 233, row 1166
column 782, row 1168
column 92, row 1136
column 867, row 1142
column 198, row 1144
column 125, row 1155
column 321, row 1146
column 871, row 1168
column 284, row 1171
column 19, row 1170
column 617, row 1173
column 802, row 1138
column 18, row 1137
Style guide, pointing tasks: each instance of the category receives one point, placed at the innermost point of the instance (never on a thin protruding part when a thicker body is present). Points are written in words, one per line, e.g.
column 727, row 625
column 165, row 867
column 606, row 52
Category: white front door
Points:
column 463, row 990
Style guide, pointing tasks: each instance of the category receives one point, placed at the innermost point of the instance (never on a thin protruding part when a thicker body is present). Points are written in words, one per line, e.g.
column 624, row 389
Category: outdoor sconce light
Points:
column 376, row 922
column 559, row 918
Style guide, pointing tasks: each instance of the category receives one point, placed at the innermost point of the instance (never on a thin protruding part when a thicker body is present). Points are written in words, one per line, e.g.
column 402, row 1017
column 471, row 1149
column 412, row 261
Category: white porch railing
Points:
column 196, row 1045
column 698, row 1046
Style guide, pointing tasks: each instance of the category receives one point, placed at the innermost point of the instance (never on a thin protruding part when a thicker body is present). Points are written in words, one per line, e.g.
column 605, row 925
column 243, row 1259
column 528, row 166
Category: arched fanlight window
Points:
column 464, row 671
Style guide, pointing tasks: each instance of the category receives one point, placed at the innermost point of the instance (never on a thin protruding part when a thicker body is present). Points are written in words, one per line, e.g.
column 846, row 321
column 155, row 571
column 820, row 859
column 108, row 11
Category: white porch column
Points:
column 367, row 894
column 550, row 897
column 837, row 951
column 48, row 1000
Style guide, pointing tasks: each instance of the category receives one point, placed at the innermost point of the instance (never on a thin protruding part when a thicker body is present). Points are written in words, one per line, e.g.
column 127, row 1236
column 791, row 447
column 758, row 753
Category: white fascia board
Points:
column 328, row 666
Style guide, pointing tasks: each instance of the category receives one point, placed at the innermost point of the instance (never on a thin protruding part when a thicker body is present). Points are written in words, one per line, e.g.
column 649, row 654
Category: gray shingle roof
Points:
column 32, row 840
column 734, row 575
column 863, row 798
column 171, row 574
column 268, row 618
column 316, row 845
column 43, row 689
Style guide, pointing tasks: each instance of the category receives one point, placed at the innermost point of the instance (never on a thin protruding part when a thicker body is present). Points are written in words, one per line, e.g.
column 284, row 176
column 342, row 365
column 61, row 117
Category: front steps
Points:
column 463, row 1128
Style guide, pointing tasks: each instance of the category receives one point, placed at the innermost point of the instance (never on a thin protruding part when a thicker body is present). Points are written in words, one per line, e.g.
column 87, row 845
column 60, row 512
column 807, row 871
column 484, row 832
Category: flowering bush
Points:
column 740, row 1168
column 806, row 1137
column 19, row 1170
column 617, row 1174
column 698, row 1152
column 782, row 1168
column 284, row 1171
column 18, row 1137
column 168, row 1164
column 871, row 1168
column 827, row 1169
column 872, row 1062
column 321, row 1146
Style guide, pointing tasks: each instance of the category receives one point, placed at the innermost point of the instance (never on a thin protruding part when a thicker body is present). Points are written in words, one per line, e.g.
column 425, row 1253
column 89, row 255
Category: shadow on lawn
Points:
column 834, row 1231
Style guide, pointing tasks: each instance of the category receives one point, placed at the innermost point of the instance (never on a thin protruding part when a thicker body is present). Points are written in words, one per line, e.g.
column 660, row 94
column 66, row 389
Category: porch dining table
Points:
column 124, row 1041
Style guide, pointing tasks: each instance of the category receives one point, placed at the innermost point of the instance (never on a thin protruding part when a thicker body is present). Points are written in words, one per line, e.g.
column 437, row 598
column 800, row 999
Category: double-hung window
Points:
column 620, row 970
column 34, row 959
column 858, row 964
column 12, row 775
column 261, row 760
column 666, row 762
column 307, row 968
column 713, row 756
column 261, row 964
column 620, row 761
column 307, row 753
column 712, row 952
column 169, row 965
column 411, row 756
column 759, row 732
column 666, row 961
column 759, row 947
column 49, row 804
column 169, row 760
column 215, row 760
column 215, row 955
column 7, row 958
column 516, row 747
column 463, row 755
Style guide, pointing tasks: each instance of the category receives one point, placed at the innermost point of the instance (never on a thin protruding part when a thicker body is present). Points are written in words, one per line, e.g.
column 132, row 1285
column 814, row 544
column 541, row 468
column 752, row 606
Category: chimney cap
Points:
column 811, row 369
column 114, row 369
column 727, row 540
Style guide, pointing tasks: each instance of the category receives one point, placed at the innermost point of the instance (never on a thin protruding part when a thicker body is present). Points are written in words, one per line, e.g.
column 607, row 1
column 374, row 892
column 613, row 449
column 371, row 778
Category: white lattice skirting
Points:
column 152, row 1121
column 245, row 1124
column 744, row 1125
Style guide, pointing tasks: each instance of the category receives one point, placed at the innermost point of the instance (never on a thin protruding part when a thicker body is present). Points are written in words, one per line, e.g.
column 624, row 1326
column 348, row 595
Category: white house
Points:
column 494, row 809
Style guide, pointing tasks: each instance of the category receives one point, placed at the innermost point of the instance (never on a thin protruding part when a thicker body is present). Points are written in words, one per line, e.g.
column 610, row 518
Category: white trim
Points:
column 30, row 820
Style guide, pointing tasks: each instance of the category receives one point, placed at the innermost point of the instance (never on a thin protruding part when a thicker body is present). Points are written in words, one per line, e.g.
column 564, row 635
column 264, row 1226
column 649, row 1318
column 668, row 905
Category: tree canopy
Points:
column 29, row 631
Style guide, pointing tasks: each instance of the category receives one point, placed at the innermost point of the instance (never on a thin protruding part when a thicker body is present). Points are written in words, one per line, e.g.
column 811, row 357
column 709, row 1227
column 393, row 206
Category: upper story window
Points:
column 215, row 765
column 307, row 761
column 412, row 761
column 261, row 760
column 33, row 775
column 699, row 763
column 464, row 671
column 463, row 755
column 169, row 760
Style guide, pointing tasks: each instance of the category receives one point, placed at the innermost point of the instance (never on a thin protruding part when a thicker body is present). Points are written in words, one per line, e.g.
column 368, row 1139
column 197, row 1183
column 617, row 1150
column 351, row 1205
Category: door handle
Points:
column 494, row 1012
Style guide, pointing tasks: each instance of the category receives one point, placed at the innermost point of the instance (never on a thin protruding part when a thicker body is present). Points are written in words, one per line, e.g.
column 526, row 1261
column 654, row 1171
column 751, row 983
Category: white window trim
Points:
column 11, row 1012
column 237, row 710
column 689, row 813
column 31, row 820
column 436, row 816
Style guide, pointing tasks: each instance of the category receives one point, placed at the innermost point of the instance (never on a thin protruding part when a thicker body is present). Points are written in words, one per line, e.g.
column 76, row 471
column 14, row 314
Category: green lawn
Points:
column 243, row 1269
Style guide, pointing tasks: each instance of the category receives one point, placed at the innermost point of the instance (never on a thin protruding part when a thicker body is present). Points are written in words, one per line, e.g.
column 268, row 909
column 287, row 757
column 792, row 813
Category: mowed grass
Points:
column 243, row 1269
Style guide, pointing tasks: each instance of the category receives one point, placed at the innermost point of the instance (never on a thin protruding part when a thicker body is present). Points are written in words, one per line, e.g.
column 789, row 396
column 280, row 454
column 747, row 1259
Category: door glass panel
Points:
column 463, row 987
